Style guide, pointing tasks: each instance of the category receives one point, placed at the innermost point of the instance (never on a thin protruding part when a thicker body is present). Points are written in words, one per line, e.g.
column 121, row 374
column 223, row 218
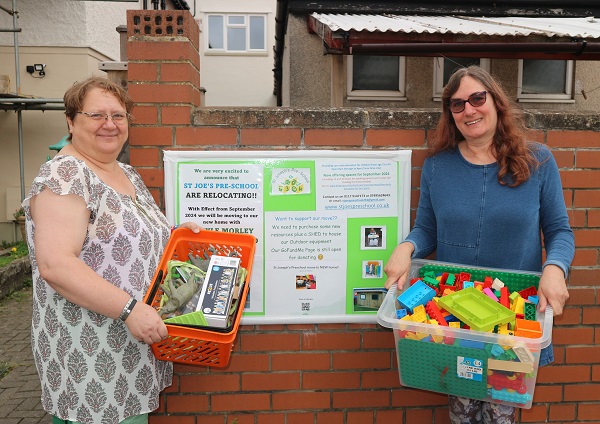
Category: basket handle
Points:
column 155, row 287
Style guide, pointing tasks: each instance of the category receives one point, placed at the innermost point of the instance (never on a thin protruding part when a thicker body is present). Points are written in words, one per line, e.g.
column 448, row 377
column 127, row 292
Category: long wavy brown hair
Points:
column 510, row 146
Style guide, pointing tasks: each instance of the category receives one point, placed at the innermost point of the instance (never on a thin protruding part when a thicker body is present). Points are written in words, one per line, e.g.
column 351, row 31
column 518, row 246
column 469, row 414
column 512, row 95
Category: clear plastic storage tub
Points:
column 498, row 368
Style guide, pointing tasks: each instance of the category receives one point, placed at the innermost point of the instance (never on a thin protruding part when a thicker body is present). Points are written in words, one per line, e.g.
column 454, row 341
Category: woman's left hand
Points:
column 553, row 289
column 191, row 225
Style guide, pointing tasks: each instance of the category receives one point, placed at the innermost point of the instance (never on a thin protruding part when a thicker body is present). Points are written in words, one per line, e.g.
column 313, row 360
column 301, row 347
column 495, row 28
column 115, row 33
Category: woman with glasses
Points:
column 487, row 197
column 95, row 237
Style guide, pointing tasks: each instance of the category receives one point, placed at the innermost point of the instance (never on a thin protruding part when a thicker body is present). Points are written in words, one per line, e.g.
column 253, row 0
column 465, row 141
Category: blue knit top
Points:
column 470, row 218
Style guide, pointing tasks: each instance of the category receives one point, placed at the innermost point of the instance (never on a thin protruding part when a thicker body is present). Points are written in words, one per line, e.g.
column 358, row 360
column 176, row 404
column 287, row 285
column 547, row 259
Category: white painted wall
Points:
column 240, row 80
column 71, row 37
column 69, row 23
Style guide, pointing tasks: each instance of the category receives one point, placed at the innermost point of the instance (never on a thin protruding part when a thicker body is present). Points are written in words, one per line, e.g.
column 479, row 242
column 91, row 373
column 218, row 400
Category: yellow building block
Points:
column 419, row 314
column 518, row 306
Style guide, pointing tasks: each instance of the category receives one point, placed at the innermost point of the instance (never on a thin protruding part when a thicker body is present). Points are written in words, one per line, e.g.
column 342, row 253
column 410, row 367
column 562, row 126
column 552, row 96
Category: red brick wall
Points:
column 345, row 373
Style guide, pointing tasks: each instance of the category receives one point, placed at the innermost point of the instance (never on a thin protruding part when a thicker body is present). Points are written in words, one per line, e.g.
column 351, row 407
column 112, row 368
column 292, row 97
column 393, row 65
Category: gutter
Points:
column 575, row 48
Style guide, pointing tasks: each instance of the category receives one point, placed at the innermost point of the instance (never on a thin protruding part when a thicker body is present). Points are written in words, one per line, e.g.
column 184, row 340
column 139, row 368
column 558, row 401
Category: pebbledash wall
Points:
column 344, row 373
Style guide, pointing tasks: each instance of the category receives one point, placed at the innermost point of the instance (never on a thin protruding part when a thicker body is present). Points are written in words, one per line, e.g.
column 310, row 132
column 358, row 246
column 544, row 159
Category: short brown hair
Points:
column 75, row 96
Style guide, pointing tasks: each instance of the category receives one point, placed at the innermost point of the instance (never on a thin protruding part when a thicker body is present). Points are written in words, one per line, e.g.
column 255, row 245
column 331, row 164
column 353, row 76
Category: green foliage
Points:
column 18, row 212
column 5, row 368
column 17, row 251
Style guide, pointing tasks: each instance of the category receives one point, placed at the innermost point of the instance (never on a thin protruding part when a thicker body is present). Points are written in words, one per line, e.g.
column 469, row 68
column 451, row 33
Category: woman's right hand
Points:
column 398, row 265
column 145, row 324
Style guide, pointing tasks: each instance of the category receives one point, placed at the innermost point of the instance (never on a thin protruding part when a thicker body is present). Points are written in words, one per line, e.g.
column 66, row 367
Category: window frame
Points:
column 380, row 95
column 438, row 75
column 566, row 97
column 246, row 25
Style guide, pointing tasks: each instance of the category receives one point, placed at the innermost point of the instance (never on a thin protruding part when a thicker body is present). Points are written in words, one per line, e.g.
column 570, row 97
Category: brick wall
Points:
column 345, row 373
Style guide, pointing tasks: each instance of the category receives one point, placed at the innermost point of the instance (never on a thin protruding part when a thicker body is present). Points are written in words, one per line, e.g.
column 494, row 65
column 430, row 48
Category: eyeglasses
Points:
column 117, row 118
column 475, row 100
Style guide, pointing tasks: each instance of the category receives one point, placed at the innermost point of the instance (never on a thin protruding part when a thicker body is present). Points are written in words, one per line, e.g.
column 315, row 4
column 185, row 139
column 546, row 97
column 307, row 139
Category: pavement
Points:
column 20, row 391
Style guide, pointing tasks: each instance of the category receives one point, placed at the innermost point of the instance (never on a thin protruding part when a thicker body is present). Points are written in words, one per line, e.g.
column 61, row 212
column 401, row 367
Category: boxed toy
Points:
column 468, row 342
column 218, row 289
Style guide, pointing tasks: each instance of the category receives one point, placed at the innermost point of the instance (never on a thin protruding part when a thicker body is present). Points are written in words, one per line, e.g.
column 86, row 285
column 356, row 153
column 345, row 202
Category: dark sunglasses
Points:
column 475, row 100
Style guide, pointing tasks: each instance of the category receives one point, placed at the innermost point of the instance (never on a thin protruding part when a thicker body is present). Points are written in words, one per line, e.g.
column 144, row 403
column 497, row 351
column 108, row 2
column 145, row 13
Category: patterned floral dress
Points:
column 91, row 368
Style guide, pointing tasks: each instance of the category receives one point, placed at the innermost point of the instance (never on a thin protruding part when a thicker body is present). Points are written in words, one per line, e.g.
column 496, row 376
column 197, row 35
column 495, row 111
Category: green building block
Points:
column 513, row 280
column 530, row 311
column 476, row 309
column 434, row 366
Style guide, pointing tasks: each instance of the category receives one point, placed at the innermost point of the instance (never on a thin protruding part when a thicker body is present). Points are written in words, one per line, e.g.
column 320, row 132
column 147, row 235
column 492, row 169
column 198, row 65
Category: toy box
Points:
column 217, row 290
column 498, row 368
column 189, row 344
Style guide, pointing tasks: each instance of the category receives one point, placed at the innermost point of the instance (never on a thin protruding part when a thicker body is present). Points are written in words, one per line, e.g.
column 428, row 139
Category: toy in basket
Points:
column 458, row 331
column 192, row 339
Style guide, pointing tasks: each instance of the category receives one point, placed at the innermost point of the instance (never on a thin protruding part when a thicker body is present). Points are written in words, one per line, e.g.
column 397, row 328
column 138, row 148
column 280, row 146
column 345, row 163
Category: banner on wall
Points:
column 325, row 223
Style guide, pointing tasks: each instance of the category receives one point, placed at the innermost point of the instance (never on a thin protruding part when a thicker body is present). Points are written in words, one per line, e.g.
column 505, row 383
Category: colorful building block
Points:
column 419, row 314
column 487, row 282
column 401, row 313
column 513, row 297
column 529, row 311
column 507, row 396
column 497, row 284
column 476, row 310
column 512, row 366
column 513, row 381
column 494, row 349
column 531, row 329
column 471, row 343
column 431, row 281
column 489, row 293
column 518, row 305
column 529, row 291
column 504, row 297
column 417, row 294
column 434, row 313
column 523, row 354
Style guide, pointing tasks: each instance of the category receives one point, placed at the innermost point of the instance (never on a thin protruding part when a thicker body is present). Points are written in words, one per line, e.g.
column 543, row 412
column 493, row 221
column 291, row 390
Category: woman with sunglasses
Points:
column 487, row 196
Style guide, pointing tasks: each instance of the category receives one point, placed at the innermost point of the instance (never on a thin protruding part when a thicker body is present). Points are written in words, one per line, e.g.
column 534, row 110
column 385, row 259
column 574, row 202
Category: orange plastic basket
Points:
column 189, row 345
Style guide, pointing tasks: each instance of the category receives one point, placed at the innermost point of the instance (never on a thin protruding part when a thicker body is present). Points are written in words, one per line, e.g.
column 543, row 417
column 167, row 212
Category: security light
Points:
column 38, row 67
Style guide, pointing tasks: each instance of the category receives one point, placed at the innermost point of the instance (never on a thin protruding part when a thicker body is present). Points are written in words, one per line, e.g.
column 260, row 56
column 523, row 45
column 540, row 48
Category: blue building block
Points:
column 472, row 343
column 417, row 294
column 401, row 313
column 507, row 396
column 497, row 350
column 467, row 284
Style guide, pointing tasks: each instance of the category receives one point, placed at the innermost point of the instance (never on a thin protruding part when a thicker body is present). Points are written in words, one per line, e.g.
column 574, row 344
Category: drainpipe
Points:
column 18, row 88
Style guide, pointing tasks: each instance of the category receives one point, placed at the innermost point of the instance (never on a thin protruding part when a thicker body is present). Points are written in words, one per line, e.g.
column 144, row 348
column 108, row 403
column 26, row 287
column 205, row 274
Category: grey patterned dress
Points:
column 91, row 368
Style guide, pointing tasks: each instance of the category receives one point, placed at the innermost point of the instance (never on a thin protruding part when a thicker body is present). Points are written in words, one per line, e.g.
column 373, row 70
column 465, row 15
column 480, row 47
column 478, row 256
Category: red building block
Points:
column 434, row 313
column 529, row 291
column 504, row 299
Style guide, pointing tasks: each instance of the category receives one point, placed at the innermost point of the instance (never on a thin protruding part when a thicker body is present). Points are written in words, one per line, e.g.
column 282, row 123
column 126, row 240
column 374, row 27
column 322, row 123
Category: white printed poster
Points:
column 325, row 223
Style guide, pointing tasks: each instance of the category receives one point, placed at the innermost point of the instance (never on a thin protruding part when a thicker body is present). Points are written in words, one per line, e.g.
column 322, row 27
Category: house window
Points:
column 545, row 81
column 444, row 67
column 235, row 34
column 376, row 77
